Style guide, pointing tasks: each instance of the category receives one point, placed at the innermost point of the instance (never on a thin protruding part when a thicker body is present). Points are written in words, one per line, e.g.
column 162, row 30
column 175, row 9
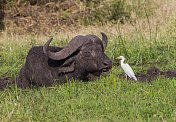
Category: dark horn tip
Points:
column 46, row 45
column 48, row 42
column 51, row 39
column 103, row 34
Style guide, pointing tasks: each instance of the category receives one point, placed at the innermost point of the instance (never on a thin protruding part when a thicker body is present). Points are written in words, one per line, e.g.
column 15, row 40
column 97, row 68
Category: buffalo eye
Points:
column 86, row 53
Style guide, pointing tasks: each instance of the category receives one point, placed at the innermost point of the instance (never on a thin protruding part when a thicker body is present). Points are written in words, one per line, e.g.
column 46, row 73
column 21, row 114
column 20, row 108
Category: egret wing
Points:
column 131, row 72
column 128, row 70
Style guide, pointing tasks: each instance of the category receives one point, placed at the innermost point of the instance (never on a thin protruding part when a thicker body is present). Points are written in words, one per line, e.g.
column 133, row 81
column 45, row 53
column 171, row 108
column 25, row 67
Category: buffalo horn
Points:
column 104, row 40
column 72, row 46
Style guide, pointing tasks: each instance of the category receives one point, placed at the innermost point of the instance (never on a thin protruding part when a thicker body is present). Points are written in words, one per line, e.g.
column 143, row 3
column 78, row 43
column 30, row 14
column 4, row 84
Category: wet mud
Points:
column 152, row 74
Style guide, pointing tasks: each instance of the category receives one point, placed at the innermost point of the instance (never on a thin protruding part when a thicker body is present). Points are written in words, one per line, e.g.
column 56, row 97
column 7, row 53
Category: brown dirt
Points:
column 5, row 83
column 44, row 19
column 153, row 73
column 63, row 17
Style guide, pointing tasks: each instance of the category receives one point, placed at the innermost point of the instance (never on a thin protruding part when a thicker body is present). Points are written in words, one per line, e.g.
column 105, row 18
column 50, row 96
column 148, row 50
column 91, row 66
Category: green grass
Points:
column 107, row 99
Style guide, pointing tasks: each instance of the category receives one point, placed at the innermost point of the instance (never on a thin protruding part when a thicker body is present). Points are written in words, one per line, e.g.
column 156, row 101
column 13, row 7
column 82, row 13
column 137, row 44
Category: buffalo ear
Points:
column 68, row 66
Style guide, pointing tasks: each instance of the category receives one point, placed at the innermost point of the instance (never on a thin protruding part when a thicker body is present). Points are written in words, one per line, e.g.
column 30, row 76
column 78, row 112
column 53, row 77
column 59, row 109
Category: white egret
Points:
column 127, row 69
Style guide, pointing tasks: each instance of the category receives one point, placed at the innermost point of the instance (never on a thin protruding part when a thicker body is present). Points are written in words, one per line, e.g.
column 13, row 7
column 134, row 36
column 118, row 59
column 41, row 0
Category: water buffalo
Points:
column 83, row 59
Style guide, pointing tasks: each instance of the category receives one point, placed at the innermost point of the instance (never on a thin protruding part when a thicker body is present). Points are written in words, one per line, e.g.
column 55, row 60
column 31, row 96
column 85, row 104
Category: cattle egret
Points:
column 127, row 69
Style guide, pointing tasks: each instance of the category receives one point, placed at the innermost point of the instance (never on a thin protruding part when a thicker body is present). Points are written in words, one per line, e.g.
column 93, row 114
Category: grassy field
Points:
column 147, row 43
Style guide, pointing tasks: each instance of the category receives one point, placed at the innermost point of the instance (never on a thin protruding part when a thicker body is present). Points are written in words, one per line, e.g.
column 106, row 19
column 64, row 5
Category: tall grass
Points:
column 109, row 99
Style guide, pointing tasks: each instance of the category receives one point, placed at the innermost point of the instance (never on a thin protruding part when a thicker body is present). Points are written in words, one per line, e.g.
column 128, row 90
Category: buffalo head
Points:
column 86, row 51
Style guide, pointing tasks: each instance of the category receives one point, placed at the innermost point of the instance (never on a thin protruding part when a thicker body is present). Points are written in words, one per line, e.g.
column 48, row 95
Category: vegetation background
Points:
column 143, row 31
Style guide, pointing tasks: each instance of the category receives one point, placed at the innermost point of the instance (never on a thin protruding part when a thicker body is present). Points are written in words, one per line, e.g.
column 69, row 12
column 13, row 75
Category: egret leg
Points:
column 126, row 76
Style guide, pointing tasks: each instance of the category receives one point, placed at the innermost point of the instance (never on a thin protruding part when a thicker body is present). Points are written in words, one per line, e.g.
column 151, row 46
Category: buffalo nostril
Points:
column 107, row 63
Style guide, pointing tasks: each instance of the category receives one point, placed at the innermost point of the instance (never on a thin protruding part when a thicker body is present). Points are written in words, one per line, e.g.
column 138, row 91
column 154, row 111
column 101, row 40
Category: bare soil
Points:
column 153, row 73
column 44, row 19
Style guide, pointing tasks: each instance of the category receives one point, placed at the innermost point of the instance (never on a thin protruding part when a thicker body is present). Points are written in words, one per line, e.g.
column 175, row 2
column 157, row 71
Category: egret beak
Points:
column 117, row 58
